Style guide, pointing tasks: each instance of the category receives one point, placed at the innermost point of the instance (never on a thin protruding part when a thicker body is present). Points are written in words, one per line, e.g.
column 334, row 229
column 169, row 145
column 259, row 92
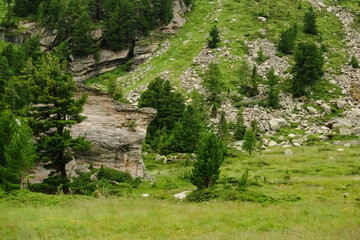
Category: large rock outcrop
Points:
column 116, row 131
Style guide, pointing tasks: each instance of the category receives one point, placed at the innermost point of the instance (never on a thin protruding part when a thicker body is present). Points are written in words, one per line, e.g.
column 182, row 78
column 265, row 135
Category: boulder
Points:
column 277, row 123
column 182, row 195
column 345, row 131
column 326, row 107
column 272, row 144
column 356, row 131
column 339, row 122
column 288, row 152
column 312, row 110
column 114, row 143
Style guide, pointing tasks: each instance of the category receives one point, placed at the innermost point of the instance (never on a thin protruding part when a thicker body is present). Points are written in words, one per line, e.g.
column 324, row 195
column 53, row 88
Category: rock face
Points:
column 116, row 132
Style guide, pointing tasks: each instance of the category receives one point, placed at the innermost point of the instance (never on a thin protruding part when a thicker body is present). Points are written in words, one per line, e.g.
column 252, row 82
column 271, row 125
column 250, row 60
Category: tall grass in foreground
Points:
column 320, row 175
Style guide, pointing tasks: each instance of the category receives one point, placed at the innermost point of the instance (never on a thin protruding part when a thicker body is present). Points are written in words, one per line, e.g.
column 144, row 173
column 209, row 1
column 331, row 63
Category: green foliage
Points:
column 51, row 185
column 310, row 21
column 240, row 127
column 187, row 131
column 214, row 37
column 120, row 25
column 255, row 78
column 203, row 195
column 260, row 56
column 82, row 41
column 249, row 141
column 209, row 158
column 113, row 175
column 273, row 94
column 170, row 106
column 287, row 40
column 213, row 83
column 354, row 62
column 223, row 126
column 54, row 110
column 243, row 182
column 308, row 67
column 20, row 152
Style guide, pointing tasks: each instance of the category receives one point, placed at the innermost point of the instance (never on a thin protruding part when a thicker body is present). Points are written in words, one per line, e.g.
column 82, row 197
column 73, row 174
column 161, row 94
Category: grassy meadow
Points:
column 307, row 204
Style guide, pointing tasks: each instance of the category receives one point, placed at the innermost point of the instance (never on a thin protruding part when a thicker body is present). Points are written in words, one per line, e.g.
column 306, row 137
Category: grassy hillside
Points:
column 310, row 205
column 238, row 23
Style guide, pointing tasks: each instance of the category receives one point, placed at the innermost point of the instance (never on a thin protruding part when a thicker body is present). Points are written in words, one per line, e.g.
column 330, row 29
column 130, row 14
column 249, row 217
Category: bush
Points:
column 114, row 175
column 202, row 195
column 51, row 185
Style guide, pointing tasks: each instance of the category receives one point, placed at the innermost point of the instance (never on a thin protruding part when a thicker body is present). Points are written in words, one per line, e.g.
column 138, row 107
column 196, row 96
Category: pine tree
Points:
column 187, row 131
column 254, row 90
column 308, row 67
column 54, row 110
column 287, row 40
column 82, row 41
column 354, row 62
column 120, row 24
column 223, row 132
column 310, row 22
column 214, row 37
column 7, row 127
column 20, row 152
column 5, row 75
column 273, row 94
column 213, row 83
column 249, row 141
column 209, row 157
column 170, row 106
column 240, row 127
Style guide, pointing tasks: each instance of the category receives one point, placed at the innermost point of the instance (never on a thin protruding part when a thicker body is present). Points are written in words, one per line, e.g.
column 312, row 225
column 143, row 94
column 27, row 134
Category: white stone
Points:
column 326, row 107
column 277, row 123
column 182, row 195
column 312, row 110
column 261, row 19
column 345, row 131
column 145, row 195
column 272, row 144
column 288, row 152
column 291, row 135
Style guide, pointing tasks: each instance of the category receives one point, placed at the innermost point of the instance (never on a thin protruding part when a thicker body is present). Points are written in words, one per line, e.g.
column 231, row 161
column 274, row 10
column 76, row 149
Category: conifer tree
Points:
column 20, row 152
column 249, row 141
column 82, row 41
column 54, row 110
column 273, row 94
column 310, row 22
column 213, row 83
column 7, row 127
column 209, row 157
column 214, row 37
column 254, row 90
column 287, row 40
column 240, row 127
column 308, row 67
column 354, row 62
column 223, row 132
column 187, row 131
column 5, row 75
column 120, row 24
column 170, row 106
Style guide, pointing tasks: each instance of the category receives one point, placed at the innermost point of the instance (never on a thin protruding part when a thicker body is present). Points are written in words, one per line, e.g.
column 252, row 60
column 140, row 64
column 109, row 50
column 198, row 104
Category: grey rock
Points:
column 272, row 144
column 288, row 152
column 356, row 131
column 181, row 195
column 312, row 110
column 277, row 123
column 345, row 131
column 261, row 19
column 326, row 107
column 114, row 145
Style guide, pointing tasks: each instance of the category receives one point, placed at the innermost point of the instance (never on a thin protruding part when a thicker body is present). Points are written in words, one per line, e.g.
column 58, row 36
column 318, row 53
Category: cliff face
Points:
column 116, row 132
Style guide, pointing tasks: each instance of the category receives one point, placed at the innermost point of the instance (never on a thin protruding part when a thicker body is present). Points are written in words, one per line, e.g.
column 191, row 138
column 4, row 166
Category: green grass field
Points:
column 319, row 177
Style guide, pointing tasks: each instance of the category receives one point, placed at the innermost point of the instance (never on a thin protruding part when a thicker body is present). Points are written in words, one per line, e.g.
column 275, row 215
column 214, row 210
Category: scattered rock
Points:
column 182, row 195
column 288, row 152
column 345, row 131
column 261, row 19
column 277, row 123
column 312, row 110
column 272, row 144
